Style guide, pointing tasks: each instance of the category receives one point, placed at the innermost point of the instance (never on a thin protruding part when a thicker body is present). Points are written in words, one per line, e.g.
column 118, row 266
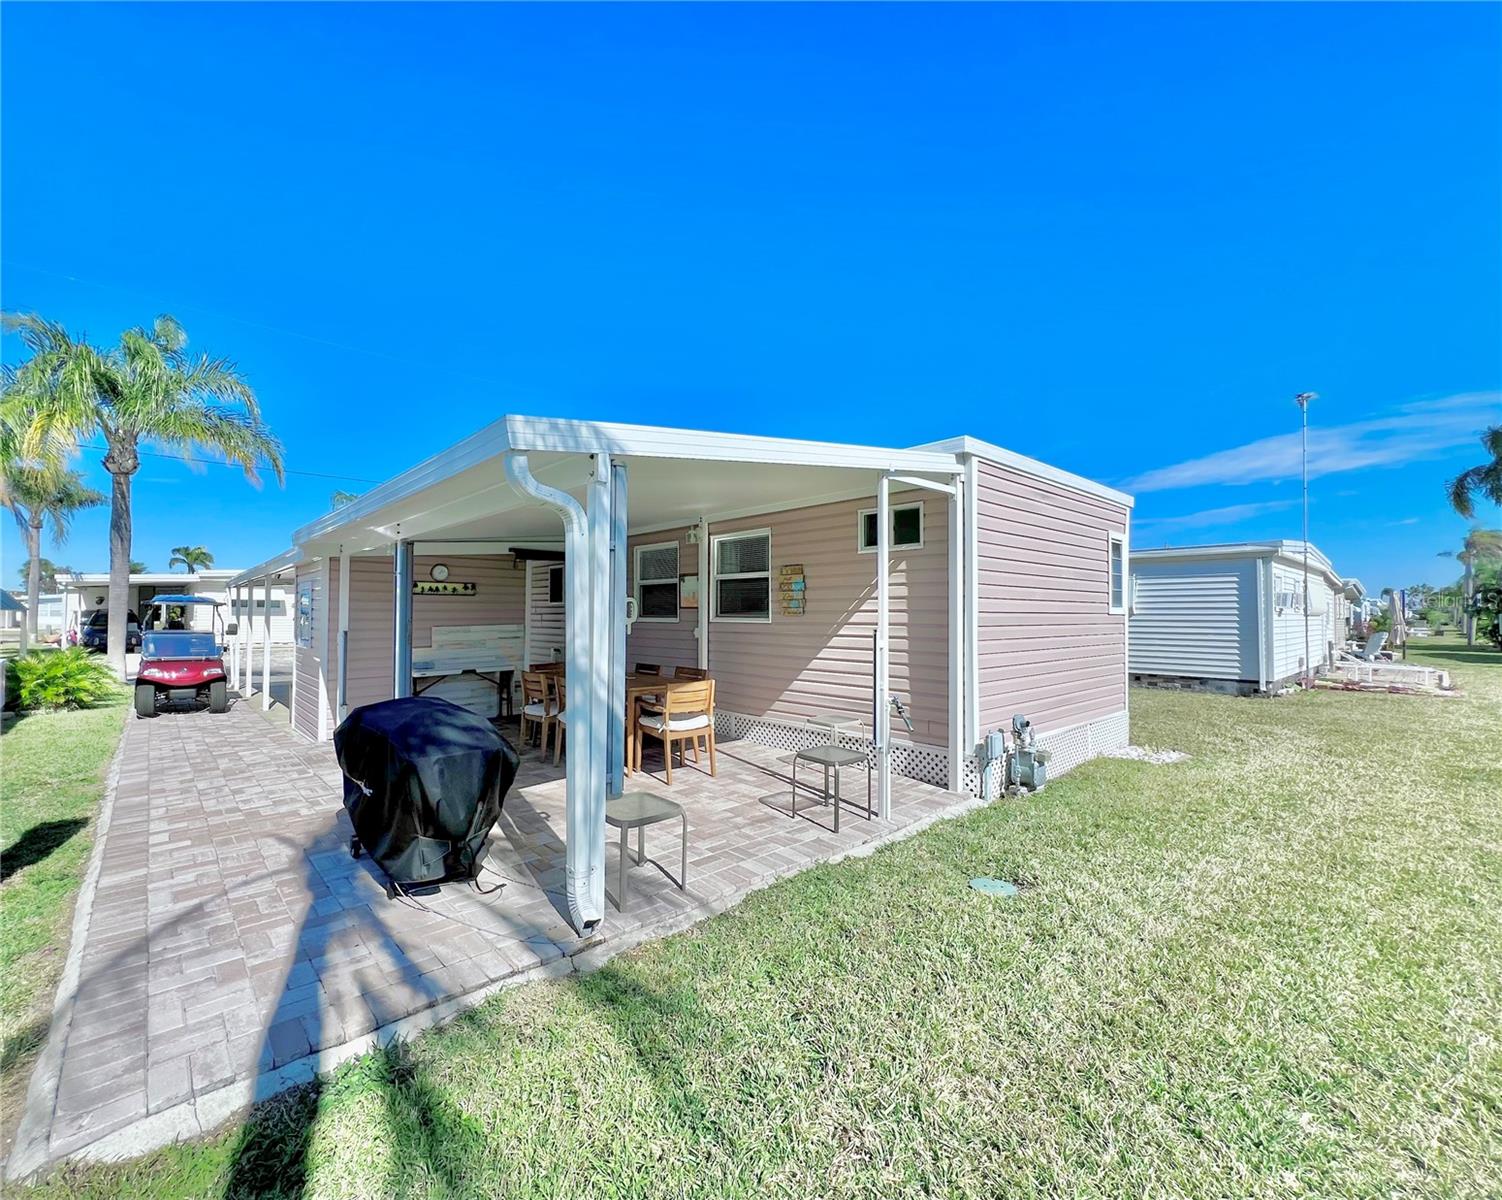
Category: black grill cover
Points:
column 423, row 783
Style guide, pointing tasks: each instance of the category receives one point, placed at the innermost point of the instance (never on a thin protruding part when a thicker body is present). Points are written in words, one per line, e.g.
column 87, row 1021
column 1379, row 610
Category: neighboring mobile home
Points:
column 1231, row 617
column 995, row 585
column 84, row 593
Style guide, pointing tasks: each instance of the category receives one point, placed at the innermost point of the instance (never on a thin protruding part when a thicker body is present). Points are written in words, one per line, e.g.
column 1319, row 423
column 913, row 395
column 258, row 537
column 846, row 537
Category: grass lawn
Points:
column 1274, row 969
column 51, row 779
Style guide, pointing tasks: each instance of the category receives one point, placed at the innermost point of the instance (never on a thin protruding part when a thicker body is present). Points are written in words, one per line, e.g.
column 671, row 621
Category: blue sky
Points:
column 1118, row 238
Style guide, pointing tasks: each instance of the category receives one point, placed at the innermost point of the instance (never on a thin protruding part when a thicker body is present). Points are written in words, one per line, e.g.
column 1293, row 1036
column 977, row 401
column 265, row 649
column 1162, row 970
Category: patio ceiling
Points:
column 675, row 478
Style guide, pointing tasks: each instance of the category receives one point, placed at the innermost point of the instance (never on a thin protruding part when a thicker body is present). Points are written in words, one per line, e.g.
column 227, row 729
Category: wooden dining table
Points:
column 638, row 686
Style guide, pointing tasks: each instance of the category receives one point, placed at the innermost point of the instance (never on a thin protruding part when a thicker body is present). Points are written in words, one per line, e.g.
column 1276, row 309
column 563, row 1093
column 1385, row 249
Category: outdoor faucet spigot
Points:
column 900, row 709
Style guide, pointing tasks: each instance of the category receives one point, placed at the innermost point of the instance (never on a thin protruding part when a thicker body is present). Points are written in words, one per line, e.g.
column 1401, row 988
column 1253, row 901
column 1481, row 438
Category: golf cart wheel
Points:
column 145, row 700
column 218, row 696
column 354, row 847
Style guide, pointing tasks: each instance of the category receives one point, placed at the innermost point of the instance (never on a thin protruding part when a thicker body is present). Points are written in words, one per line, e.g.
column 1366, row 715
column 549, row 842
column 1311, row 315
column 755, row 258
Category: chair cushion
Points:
column 653, row 721
column 537, row 710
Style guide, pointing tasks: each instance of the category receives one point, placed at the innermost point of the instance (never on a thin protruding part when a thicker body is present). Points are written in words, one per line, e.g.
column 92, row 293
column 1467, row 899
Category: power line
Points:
column 214, row 462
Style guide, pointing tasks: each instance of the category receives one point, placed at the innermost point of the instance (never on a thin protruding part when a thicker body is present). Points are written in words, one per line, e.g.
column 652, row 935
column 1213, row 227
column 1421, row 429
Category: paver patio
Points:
column 233, row 946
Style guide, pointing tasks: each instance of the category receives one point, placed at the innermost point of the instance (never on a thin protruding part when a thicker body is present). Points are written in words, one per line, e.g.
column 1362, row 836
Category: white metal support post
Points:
column 266, row 646
column 234, row 643
column 401, row 651
column 882, row 717
column 704, row 596
column 957, row 636
column 341, row 709
column 615, row 616
column 325, row 639
column 247, row 615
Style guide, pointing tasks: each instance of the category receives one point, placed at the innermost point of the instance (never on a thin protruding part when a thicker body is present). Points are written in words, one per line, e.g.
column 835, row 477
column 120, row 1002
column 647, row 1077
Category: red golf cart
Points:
column 179, row 663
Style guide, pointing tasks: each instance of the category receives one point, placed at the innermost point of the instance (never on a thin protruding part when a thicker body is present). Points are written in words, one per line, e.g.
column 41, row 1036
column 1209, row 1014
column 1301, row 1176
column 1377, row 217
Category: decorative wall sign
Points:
column 432, row 587
column 791, row 590
column 688, row 591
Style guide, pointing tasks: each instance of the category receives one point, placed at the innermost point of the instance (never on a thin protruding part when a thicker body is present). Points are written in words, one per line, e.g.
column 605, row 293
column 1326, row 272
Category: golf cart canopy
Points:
column 184, row 600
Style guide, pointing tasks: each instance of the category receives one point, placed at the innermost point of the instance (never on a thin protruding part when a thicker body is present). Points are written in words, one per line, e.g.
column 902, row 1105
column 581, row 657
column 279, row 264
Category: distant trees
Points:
column 147, row 389
column 41, row 496
column 1481, row 556
column 194, row 558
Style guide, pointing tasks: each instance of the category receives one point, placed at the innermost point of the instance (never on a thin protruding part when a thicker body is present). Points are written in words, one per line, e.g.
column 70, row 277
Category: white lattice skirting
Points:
column 930, row 764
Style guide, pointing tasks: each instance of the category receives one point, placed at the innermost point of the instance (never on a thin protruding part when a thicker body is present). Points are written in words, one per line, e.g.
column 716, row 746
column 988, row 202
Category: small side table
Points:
column 832, row 758
column 637, row 810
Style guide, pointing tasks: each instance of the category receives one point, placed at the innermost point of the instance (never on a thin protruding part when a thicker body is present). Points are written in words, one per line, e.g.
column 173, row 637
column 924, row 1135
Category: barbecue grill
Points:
column 423, row 784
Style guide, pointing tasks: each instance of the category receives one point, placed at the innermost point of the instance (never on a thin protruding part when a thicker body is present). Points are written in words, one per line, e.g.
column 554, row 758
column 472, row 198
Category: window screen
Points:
column 743, row 576
column 657, row 582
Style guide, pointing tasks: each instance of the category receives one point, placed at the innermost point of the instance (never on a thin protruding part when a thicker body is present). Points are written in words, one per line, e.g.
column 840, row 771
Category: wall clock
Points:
column 440, row 572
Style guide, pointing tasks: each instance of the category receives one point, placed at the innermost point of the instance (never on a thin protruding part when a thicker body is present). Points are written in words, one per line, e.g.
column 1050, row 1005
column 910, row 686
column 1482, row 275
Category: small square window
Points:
column 907, row 528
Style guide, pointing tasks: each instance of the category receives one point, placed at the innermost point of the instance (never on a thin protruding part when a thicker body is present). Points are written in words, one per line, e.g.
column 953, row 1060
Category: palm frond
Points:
column 235, row 437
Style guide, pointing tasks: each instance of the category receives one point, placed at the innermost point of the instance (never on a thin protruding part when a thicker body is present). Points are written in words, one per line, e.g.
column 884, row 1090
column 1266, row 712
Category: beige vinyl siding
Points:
column 1048, row 645
column 667, row 643
column 306, row 662
column 545, row 620
column 372, row 594
column 499, row 600
column 822, row 662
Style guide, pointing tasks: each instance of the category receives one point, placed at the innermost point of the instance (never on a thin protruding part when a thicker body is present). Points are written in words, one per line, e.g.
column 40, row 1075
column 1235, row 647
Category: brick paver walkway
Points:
column 232, row 937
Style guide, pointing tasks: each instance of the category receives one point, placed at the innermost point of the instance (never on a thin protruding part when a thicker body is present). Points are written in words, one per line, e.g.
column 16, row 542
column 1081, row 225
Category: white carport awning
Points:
column 678, row 477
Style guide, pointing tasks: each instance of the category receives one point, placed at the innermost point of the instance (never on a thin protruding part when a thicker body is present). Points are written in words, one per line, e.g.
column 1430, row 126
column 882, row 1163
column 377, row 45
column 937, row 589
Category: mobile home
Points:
column 1232, row 617
column 957, row 583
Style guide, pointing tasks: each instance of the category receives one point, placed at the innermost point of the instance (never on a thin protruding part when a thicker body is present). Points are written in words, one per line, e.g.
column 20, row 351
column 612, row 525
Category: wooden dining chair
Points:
column 686, row 714
column 690, row 673
column 548, row 668
column 560, row 714
column 538, row 716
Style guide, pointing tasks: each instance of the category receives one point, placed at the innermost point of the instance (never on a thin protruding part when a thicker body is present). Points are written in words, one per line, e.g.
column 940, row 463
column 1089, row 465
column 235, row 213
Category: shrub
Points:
column 53, row 679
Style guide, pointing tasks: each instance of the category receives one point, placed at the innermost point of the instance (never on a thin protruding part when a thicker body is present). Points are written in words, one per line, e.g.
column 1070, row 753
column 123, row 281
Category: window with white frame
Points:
column 742, row 565
column 907, row 528
column 1117, row 598
column 657, row 582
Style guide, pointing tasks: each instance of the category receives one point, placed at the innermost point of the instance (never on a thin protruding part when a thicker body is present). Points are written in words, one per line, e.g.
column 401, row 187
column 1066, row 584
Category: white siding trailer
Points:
column 1231, row 617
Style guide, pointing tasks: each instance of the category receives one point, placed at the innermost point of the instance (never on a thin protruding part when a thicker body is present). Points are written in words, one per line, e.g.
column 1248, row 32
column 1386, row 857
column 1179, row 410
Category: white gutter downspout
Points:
column 584, row 831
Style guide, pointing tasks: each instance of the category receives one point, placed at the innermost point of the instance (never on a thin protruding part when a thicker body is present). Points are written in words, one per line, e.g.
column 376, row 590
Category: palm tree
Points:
column 1480, row 545
column 38, row 496
column 192, row 557
column 1485, row 480
column 146, row 389
column 137, row 567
